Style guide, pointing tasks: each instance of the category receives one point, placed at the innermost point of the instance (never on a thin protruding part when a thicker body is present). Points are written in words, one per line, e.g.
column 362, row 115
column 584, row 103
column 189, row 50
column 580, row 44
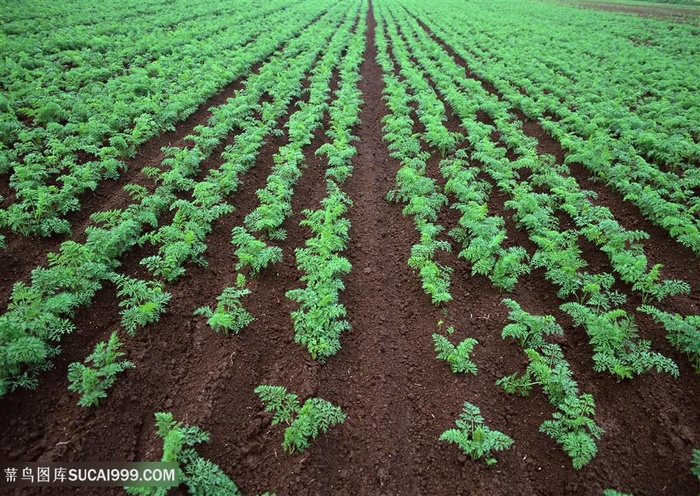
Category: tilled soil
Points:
column 397, row 396
column 673, row 13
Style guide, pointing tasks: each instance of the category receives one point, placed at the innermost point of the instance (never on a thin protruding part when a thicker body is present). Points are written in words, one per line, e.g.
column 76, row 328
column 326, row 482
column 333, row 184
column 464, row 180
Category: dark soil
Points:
column 672, row 13
column 397, row 396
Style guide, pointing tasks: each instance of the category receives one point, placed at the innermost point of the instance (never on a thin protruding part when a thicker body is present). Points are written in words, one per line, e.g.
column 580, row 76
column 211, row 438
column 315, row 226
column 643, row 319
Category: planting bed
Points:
column 593, row 135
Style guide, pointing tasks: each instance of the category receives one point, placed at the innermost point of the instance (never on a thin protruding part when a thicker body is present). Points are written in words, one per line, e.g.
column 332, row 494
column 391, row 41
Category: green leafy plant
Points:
column 510, row 265
column 201, row 476
column 183, row 240
column 682, row 332
column 456, row 356
column 435, row 277
column 473, row 437
column 547, row 368
column 229, row 314
column 613, row 335
column 574, row 428
column 695, row 469
column 315, row 416
column 560, row 255
column 320, row 318
column 595, row 292
column 143, row 301
column 92, row 382
column 651, row 288
column 253, row 252
column 530, row 330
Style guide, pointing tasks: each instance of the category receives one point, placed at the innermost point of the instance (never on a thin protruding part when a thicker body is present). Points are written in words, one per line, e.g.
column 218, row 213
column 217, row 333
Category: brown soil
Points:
column 673, row 13
column 397, row 396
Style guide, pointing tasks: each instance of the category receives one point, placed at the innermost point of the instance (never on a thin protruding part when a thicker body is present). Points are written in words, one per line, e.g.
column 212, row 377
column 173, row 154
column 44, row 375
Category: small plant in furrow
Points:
column 457, row 356
column 229, row 315
column 474, row 437
column 252, row 252
column 615, row 492
column 305, row 421
column 529, row 330
column 201, row 476
column 143, row 301
column 92, row 382
column 548, row 369
column 572, row 424
column 695, row 468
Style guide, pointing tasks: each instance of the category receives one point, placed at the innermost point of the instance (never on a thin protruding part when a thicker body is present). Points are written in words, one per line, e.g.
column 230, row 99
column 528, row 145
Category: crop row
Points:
column 39, row 314
column 316, row 323
column 637, row 134
column 558, row 251
column 320, row 318
column 538, row 189
column 101, row 111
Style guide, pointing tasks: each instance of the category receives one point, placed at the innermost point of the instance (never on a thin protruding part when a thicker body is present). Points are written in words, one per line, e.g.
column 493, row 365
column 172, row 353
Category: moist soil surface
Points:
column 398, row 398
column 682, row 14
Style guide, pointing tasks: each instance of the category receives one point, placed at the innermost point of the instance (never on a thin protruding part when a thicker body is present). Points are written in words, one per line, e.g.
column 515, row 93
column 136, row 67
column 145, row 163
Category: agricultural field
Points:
column 323, row 247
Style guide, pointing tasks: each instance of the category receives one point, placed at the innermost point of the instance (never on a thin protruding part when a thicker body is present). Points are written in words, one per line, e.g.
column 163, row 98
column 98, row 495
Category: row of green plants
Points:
column 39, row 313
column 642, row 146
column 320, row 318
column 276, row 197
column 482, row 236
column 304, row 422
column 145, row 300
column 572, row 424
column 424, row 201
column 183, row 239
column 653, row 114
column 419, row 192
column 596, row 222
column 612, row 331
column 253, row 253
column 105, row 120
